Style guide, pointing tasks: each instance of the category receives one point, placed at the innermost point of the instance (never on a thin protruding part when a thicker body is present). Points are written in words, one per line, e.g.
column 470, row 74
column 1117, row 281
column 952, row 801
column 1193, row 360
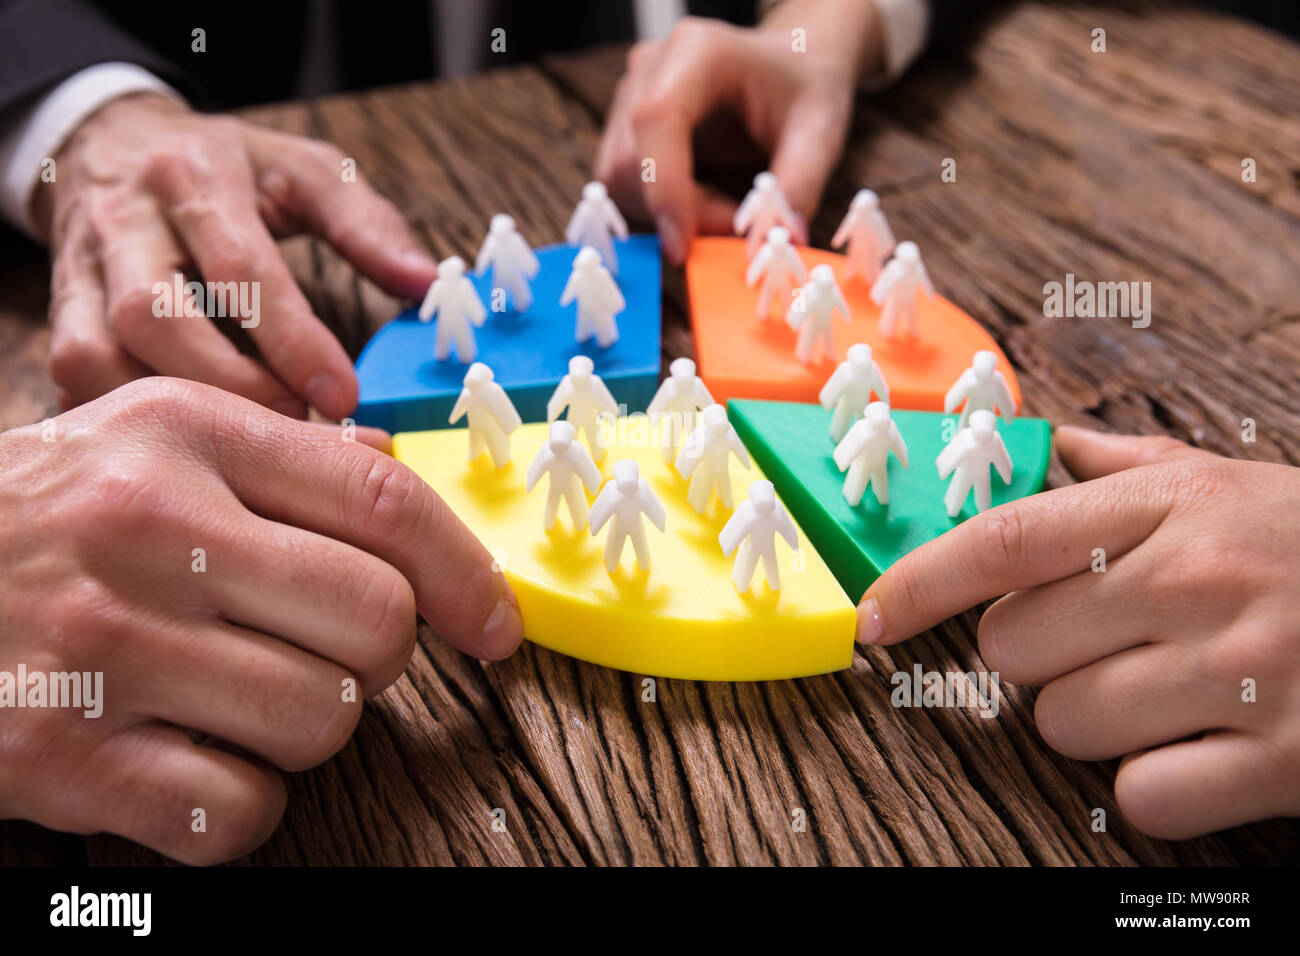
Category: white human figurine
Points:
column 681, row 396
column 898, row 287
column 980, row 386
column 512, row 262
column 763, row 207
column 453, row 298
column 968, row 457
column 753, row 528
column 492, row 416
column 779, row 266
column 812, row 311
column 705, row 459
column 594, row 220
column 586, row 396
column 626, row 498
column 571, row 469
column 864, row 452
column 850, row 386
column 598, row 297
column 868, row 235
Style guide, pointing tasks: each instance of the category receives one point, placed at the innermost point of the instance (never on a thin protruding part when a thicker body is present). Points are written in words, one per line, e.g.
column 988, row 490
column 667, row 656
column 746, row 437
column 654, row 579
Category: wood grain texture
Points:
column 1124, row 165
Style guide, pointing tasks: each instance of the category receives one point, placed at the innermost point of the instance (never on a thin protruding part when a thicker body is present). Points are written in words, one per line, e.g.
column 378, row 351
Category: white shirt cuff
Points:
column 41, row 130
column 905, row 24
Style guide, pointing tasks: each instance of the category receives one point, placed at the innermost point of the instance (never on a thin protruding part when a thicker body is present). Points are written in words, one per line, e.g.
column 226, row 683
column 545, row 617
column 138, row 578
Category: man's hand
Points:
column 231, row 572
column 145, row 189
column 791, row 91
column 1153, row 658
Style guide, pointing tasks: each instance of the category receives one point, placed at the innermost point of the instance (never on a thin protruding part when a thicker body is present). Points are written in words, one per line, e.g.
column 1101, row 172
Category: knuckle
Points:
column 385, row 495
column 156, row 399
column 1195, row 480
column 384, row 622
column 694, row 31
column 73, row 352
column 318, row 726
column 231, row 254
column 130, row 312
column 249, row 816
column 1055, row 719
column 990, row 637
column 1002, row 537
column 178, row 163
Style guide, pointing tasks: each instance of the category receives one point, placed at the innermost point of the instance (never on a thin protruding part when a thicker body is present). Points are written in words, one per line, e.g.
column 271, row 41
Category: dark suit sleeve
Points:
column 43, row 42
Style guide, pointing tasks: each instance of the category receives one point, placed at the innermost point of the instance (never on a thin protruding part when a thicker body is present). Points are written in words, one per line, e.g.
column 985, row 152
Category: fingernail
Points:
column 325, row 393
column 870, row 627
column 417, row 258
column 670, row 238
column 503, row 631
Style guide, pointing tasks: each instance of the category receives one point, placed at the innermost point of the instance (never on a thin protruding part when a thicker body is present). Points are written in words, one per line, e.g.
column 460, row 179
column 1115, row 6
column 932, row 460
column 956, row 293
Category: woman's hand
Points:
column 228, row 571
column 791, row 91
column 146, row 189
column 1182, row 656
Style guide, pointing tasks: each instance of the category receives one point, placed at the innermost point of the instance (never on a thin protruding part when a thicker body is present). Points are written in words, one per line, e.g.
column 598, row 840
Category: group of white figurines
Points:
column 455, row 303
column 766, row 220
column 696, row 438
column 699, row 442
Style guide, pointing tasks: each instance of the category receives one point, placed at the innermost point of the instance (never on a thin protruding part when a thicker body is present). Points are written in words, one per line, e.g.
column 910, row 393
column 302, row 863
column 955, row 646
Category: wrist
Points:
column 845, row 36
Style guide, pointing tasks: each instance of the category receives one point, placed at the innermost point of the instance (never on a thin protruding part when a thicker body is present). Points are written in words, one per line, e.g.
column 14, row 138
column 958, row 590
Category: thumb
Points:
column 1091, row 454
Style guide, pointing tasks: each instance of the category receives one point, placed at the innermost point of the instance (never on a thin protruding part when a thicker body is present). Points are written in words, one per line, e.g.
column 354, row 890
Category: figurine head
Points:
column 765, row 183
column 502, row 225
column 561, row 437
column 778, row 236
column 477, row 376
column 682, row 370
column 877, row 416
column 453, row 267
column 907, row 252
column 627, row 476
column 860, row 356
column 715, row 419
column 823, row 275
column 762, row 496
column 580, row 368
column 587, row 258
column 984, row 363
column 865, row 199
column 594, row 192
column 983, row 425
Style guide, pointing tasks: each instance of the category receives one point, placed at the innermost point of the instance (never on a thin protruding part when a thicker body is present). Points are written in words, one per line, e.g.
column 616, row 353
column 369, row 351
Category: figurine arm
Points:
column 613, row 297
column 660, row 402
column 758, row 266
column 951, row 455
column 570, row 289
column 737, row 447
column 527, row 259
column 850, row 447
column 797, row 267
column 834, row 387
column 1006, row 404
column 745, row 214
column 473, row 304
column 880, row 385
column 885, row 284
column 503, row 410
column 431, row 302
column 785, row 525
column 559, row 399
column 1002, row 460
column 458, row 410
column 700, row 394
column 587, row 470
column 896, row 442
column 604, row 398
column 603, row 506
column 484, row 257
column 843, row 232
column 736, row 529
column 617, row 224
column 884, row 234
column 957, row 394
column 689, row 457
column 538, row 467
column 842, row 306
column 652, row 506
column 571, row 230
column 926, row 284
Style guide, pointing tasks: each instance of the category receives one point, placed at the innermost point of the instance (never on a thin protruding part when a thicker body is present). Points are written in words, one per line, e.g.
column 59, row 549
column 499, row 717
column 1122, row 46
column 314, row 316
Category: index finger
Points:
column 301, row 475
column 1017, row 545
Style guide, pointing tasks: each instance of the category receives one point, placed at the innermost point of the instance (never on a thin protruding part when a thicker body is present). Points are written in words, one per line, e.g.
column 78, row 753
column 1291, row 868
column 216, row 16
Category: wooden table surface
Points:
column 1122, row 165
